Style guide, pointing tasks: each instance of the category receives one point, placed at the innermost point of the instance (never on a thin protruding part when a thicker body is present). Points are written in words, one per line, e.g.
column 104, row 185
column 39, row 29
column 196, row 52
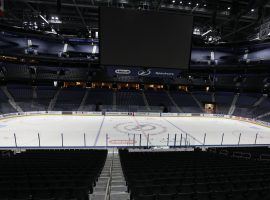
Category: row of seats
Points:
column 69, row 99
column 194, row 175
column 50, row 174
column 255, row 153
column 232, row 195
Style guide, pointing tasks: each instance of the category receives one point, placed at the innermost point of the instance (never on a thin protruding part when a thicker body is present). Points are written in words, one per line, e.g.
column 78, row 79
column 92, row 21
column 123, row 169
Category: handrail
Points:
column 108, row 188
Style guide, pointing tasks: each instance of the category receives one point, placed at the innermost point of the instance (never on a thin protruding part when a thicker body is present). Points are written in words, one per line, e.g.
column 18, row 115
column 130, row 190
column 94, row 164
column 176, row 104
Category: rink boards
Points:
column 122, row 129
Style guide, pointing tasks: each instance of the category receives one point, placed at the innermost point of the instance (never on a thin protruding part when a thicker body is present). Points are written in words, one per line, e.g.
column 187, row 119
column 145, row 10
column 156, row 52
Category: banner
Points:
column 117, row 113
column 142, row 72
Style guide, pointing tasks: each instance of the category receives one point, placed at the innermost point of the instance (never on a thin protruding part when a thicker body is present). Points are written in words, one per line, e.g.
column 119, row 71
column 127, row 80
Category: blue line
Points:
column 99, row 131
column 182, row 130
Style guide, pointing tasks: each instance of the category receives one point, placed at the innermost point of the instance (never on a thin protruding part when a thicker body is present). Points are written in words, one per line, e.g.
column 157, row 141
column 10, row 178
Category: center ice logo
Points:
column 142, row 128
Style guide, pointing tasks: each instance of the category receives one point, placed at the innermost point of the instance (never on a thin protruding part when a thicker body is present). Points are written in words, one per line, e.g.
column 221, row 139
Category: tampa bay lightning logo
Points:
column 143, row 127
column 144, row 72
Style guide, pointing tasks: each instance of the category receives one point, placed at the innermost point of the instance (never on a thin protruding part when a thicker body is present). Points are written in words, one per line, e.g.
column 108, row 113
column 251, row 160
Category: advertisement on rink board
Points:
column 138, row 114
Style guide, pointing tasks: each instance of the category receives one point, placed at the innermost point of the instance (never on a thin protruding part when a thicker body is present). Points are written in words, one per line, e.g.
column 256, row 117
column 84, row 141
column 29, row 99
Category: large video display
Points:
column 144, row 38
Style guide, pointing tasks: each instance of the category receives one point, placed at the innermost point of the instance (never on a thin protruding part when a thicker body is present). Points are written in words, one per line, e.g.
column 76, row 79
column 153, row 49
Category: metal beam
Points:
column 249, row 25
column 53, row 4
column 80, row 14
column 238, row 30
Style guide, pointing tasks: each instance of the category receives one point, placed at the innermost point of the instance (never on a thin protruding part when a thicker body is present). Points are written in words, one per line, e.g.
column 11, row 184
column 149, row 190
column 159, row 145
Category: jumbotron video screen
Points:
column 145, row 39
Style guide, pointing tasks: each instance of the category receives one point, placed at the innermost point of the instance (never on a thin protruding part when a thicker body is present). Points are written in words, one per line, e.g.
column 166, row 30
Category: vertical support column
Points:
column 62, row 139
column 181, row 140
column 134, row 140
column 186, row 141
column 147, row 140
column 168, row 139
column 84, row 140
column 222, row 139
column 38, row 140
column 15, row 140
column 140, row 139
column 239, row 139
column 128, row 141
column 174, row 140
column 256, row 138
column 107, row 138
column 204, row 139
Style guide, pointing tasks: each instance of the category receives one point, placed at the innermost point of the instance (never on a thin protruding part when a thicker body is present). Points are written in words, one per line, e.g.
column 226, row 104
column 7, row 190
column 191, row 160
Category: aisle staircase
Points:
column 83, row 100
column 263, row 115
column 198, row 102
column 233, row 105
column 173, row 102
column 114, row 101
column 35, row 92
column 11, row 100
column 111, row 184
column 260, row 100
column 53, row 100
column 145, row 101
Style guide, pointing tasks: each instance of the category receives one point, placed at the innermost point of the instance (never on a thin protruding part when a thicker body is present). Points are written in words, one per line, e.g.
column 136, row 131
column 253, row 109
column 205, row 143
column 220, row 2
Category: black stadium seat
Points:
column 50, row 174
column 194, row 176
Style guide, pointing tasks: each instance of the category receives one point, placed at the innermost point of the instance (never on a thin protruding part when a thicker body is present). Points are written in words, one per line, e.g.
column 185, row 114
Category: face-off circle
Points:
column 144, row 127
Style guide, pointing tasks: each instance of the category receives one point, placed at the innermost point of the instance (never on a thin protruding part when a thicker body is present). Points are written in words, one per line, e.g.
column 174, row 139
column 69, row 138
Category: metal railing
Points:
column 108, row 186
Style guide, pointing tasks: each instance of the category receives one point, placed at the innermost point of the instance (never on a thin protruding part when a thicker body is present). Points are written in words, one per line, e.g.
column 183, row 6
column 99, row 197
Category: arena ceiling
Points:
column 222, row 20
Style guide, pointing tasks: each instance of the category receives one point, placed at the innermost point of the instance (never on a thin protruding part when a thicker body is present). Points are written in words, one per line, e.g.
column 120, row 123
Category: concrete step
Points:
column 119, row 196
column 97, row 197
column 103, row 177
column 117, row 168
column 105, row 174
column 118, row 179
column 106, row 168
column 117, row 174
column 106, row 171
column 99, row 189
column 118, row 188
column 101, row 184
column 118, row 182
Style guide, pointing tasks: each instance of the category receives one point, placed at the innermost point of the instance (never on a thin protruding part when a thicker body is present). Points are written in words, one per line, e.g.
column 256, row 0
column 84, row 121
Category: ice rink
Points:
column 126, row 131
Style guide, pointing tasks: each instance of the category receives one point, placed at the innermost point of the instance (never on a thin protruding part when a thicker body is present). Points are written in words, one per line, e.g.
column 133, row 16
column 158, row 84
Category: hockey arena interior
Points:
column 134, row 99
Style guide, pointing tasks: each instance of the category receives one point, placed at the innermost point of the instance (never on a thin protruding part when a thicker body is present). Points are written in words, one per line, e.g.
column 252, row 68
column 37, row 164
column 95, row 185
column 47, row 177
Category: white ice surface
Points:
column 120, row 131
